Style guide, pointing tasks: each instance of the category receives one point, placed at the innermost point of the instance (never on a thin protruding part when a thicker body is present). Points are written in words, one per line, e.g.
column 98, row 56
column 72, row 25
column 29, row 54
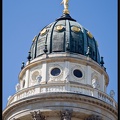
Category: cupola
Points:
column 65, row 34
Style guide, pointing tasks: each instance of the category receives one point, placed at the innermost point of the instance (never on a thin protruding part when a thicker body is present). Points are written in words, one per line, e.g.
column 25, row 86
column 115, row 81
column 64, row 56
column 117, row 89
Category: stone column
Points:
column 93, row 117
column 36, row 115
column 66, row 114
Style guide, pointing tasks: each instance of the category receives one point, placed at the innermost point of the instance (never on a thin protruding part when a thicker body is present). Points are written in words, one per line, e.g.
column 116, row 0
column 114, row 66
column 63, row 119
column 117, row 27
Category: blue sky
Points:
column 23, row 19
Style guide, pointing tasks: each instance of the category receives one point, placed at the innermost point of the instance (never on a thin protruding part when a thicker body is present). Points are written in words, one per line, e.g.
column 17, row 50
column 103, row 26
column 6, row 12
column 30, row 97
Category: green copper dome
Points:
column 65, row 35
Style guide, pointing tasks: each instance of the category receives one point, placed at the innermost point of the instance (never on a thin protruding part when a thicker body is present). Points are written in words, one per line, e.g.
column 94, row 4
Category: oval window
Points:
column 55, row 71
column 77, row 73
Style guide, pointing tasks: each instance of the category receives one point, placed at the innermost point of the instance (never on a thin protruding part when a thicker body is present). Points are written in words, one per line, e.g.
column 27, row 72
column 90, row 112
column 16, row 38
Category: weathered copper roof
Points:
column 65, row 35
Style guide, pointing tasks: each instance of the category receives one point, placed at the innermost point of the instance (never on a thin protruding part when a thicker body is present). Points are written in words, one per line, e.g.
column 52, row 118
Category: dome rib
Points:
column 68, row 34
column 51, row 35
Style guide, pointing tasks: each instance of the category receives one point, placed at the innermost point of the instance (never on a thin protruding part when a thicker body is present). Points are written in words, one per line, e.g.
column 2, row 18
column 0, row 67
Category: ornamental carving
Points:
column 94, row 117
column 95, row 80
column 17, row 87
column 89, row 34
column 66, row 114
column 75, row 29
column 36, row 77
column 59, row 28
column 43, row 32
column 36, row 115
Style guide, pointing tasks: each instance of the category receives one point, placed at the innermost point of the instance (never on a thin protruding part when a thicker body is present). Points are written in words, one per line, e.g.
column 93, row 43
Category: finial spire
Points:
column 102, row 62
column 29, row 56
column 65, row 3
column 23, row 65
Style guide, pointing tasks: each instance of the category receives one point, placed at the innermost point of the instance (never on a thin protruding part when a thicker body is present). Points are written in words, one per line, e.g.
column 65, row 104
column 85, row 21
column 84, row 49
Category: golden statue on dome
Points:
column 65, row 3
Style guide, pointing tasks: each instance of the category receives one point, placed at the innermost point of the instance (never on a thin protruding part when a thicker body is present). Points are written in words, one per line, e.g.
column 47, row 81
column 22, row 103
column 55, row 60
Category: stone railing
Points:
column 72, row 88
column 106, row 98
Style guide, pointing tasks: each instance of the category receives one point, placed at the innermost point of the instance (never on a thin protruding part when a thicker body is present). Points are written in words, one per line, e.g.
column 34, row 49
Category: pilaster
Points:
column 88, row 75
column 27, row 78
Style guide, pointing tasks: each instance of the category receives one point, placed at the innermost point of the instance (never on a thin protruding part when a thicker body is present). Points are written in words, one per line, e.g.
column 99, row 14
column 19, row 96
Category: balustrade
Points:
column 62, row 88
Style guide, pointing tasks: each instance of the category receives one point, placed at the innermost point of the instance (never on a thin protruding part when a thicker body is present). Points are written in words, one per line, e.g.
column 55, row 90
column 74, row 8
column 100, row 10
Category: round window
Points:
column 55, row 71
column 77, row 73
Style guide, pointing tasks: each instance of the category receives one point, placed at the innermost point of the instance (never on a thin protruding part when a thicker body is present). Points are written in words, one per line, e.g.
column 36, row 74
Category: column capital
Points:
column 37, row 115
column 66, row 114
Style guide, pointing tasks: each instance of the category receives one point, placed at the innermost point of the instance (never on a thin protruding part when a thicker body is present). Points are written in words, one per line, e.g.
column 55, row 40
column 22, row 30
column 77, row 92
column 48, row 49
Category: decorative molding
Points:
column 26, row 93
column 37, row 115
column 55, row 89
column 66, row 114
